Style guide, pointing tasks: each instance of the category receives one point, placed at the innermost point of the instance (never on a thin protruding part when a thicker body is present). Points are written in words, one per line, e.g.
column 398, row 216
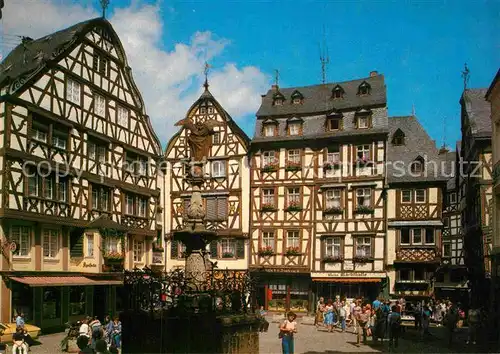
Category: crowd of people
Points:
column 97, row 337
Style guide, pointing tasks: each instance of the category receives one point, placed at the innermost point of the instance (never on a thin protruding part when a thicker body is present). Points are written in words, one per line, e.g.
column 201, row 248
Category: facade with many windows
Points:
column 79, row 198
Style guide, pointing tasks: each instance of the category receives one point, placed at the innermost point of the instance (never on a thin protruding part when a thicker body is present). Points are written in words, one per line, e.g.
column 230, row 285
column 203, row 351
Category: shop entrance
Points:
column 100, row 301
column 367, row 291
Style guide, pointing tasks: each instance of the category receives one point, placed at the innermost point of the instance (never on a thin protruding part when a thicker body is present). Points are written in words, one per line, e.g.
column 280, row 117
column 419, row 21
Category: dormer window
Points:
column 363, row 119
column 278, row 99
column 334, row 124
column 294, row 126
column 297, row 97
column 362, row 122
column 278, row 102
column 270, row 128
column 398, row 138
column 417, row 166
column 364, row 88
column 338, row 92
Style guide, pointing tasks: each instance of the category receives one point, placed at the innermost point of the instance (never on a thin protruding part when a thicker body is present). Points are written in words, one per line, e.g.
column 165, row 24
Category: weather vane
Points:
column 465, row 75
column 324, row 58
column 104, row 6
column 276, row 77
column 205, row 72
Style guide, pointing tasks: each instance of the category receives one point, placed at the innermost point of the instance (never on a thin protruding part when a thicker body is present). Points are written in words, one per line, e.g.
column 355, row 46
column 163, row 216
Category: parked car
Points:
column 8, row 329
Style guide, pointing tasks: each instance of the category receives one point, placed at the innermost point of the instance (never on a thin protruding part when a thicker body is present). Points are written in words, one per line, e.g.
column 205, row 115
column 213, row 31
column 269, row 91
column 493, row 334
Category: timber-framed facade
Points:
column 225, row 192
column 79, row 196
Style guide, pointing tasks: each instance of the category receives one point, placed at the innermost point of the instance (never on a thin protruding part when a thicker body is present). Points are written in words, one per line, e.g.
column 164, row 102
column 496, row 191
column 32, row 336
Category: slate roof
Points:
column 478, row 111
column 416, row 143
column 33, row 54
column 318, row 98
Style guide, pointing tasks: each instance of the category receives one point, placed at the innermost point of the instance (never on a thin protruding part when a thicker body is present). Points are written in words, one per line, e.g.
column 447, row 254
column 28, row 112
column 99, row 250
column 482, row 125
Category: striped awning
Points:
column 75, row 280
column 347, row 280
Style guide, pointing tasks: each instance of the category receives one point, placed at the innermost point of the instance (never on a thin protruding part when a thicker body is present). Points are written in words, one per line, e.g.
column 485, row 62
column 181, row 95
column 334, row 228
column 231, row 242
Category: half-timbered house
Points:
column 476, row 196
column 416, row 177
column 79, row 196
column 317, row 192
column 225, row 192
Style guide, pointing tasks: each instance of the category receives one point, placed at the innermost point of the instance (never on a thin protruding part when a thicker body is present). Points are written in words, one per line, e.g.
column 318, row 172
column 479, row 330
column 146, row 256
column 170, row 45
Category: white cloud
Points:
column 170, row 80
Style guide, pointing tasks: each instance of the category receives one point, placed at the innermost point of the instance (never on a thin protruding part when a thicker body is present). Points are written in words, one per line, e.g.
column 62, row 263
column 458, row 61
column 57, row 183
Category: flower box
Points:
column 272, row 167
column 266, row 251
column 292, row 251
column 293, row 166
column 294, row 206
column 113, row 257
column 333, row 259
column 267, row 207
column 331, row 165
column 334, row 210
column 157, row 248
column 227, row 255
column 361, row 259
column 361, row 209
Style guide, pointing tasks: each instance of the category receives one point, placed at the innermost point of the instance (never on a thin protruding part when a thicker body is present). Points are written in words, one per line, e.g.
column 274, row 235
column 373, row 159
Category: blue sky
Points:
column 420, row 47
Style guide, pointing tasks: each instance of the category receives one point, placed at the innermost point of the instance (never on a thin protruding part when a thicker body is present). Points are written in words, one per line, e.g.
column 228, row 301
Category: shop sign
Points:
column 89, row 265
column 283, row 270
column 349, row 275
column 345, row 275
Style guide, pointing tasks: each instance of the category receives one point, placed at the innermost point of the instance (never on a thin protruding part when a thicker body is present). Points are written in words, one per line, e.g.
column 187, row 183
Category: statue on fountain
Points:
column 200, row 137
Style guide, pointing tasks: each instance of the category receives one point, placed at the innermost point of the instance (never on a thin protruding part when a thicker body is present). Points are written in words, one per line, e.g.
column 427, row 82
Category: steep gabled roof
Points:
column 478, row 111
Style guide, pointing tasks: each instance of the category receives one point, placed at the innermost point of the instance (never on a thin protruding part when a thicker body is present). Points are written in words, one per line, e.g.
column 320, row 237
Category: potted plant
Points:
column 363, row 209
column 267, row 207
column 293, row 251
column 266, row 251
column 270, row 167
column 294, row 206
column 293, row 166
column 228, row 255
column 333, row 259
column 333, row 210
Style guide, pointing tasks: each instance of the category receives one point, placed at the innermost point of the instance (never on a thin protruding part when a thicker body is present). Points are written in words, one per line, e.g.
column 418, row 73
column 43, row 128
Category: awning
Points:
column 347, row 280
column 77, row 280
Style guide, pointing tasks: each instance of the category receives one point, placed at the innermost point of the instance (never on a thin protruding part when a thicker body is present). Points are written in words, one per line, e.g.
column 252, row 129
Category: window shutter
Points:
column 213, row 249
column 240, row 248
column 211, row 209
column 222, row 208
column 174, row 249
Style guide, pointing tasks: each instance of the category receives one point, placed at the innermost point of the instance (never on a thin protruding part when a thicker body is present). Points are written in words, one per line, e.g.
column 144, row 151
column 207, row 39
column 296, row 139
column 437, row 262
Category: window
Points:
column 363, row 122
column 278, row 102
column 103, row 65
column 296, row 100
column 203, row 110
column 90, row 245
column 417, row 236
column 143, row 207
column 333, row 247
column 405, row 236
column 95, row 62
column 33, row 184
column 62, row 191
column 269, row 130
column 268, row 240
column 363, row 152
column 122, row 116
column 293, row 195
column 216, row 138
column 332, row 198
column 21, row 235
column 96, row 151
column 429, row 236
column 418, row 274
column 406, row 195
column 210, row 110
column 268, row 158
column 364, row 88
column 293, row 239
column 363, row 247
column 50, row 243
column 333, row 155
column 294, row 129
column 99, row 105
column 138, row 251
column 76, row 300
column 447, row 250
column 59, row 140
column 218, row 168
column 398, row 138
column 294, row 156
column 136, row 164
column 453, row 198
column 73, row 91
column 51, row 304
column 181, row 250
column 446, row 221
column 129, row 204
column 39, row 132
column 111, row 244
column 364, row 197
column 404, row 274
column 334, row 123
column 417, row 166
column 216, row 208
column 337, row 92
column 420, row 196
column 268, row 196
column 100, row 198
column 48, row 188
column 227, row 248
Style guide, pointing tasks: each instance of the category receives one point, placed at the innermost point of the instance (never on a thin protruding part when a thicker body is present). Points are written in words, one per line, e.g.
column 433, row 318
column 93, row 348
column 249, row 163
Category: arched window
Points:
column 398, row 138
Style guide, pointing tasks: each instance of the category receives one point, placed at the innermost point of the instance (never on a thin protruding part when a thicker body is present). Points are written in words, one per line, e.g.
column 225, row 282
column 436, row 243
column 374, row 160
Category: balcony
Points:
column 418, row 254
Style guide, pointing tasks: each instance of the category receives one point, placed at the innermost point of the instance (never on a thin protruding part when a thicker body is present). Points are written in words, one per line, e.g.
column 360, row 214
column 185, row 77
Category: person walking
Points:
column 342, row 316
column 394, row 322
column 320, row 309
column 95, row 330
column 329, row 315
column 473, row 319
column 287, row 330
column 426, row 320
column 116, row 334
column 363, row 319
column 451, row 320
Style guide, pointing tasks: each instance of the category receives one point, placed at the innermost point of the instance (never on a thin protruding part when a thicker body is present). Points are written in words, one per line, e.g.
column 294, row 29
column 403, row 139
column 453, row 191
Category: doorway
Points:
column 100, row 301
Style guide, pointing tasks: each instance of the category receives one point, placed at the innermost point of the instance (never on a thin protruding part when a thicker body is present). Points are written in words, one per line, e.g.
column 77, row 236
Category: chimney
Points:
column 274, row 88
column 373, row 73
column 263, row 96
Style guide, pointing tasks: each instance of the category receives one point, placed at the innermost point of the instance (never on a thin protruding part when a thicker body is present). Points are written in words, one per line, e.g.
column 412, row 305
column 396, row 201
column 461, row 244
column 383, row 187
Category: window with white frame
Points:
column 227, row 248
column 33, row 187
column 406, row 195
column 364, row 197
column 216, row 138
column 269, row 129
column 268, row 196
column 73, row 91
column 363, row 247
column 334, row 124
column 129, row 204
column 333, row 155
column 100, row 198
column 268, row 239
column 48, row 188
column 363, row 122
column 138, row 251
column 294, row 129
column 111, row 244
column 143, row 207
column 218, row 168
column 420, row 196
column 39, row 132
column 59, row 140
column 293, row 195
column 363, row 152
column 333, row 247
column 122, row 116
column 90, row 245
column 294, row 156
column 293, row 239
column 332, row 198
column 62, row 190
column 268, row 158
column 96, row 151
column 99, row 105
column 142, row 167
column 50, row 243
column 416, row 236
column 21, row 235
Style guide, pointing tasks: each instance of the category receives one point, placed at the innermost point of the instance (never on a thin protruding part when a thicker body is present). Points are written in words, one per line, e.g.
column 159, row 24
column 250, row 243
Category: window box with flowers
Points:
column 266, row 251
column 333, row 259
column 293, row 251
column 113, row 257
column 293, row 206
column 270, row 167
column 227, row 255
column 292, row 166
column 362, row 259
column 362, row 209
column 327, row 166
column 334, row 210
column 267, row 207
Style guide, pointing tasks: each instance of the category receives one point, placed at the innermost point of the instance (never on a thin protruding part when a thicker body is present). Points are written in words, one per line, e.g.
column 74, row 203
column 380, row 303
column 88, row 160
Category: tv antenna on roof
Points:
column 324, row 58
